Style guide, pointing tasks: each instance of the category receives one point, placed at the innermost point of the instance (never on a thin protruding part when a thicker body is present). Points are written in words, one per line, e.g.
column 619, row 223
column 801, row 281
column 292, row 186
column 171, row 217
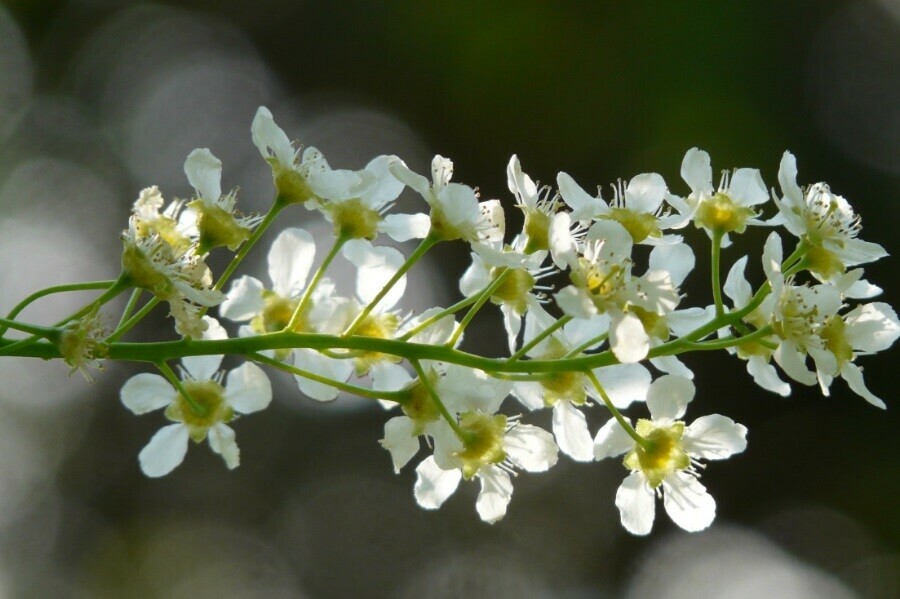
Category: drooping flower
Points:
column 825, row 221
column 205, row 414
column 456, row 212
column 665, row 462
column 217, row 223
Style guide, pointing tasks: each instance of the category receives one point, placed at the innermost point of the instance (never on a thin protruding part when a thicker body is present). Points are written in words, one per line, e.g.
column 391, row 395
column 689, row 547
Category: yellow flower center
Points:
column 353, row 219
column 639, row 224
column 376, row 326
column 211, row 408
column 217, row 227
column 484, row 441
column 721, row 214
column 514, row 289
column 663, row 454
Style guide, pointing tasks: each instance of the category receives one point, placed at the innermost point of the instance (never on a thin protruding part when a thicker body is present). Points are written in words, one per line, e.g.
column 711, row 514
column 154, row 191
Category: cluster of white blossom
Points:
column 619, row 303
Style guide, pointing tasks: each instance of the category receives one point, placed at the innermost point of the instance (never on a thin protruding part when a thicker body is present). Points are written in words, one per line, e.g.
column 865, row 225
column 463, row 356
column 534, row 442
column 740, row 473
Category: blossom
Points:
column 637, row 206
column 602, row 283
column 217, row 224
column 538, row 204
column 309, row 179
column 824, row 220
column 665, row 463
column 567, row 393
column 202, row 416
column 456, row 212
column 728, row 209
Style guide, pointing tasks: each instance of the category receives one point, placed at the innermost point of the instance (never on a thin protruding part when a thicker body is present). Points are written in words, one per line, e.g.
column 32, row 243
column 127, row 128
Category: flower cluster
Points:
column 607, row 339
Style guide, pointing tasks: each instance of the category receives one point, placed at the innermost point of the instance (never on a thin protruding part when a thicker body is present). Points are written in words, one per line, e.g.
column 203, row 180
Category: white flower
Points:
column 309, row 179
column 567, row 392
column 497, row 447
column 455, row 210
column 638, row 207
column 728, row 209
column 602, row 283
column 519, row 290
column 217, row 224
column 666, row 463
column 826, row 221
column 538, row 204
column 246, row 390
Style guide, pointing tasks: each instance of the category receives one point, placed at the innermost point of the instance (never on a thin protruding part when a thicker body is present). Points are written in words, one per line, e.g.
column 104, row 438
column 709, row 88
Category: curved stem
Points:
column 587, row 345
column 304, row 300
column 626, row 426
column 129, row 307
column 397, row 396
column 179, row 386
column 433, row 319
column 483, row 297
column 540, row 337
column 89, row 286
column 426, row 382
column 131, row 322
column 426, row 245
column 277, row 207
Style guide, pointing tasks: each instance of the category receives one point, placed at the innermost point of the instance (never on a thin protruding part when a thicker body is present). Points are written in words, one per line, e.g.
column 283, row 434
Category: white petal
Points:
column 628, row 339
column 765, row 375
column 386, row 187
column 204, row 171
column 476, row 277
column 165, row 450
column 624, row 383
column 853, row 375
column 714, row 437
column 612, row 440
column 290, row 259
column 669, row 396
column 563, row 247
column 403, row 227
column 872, row 327
column 677, row 260
column 530, row 448
column 772, row 258
column 583, row 205
column 747, row 187
column 696, row 170
column 575, row 302
column 267, row 135
column 530, row 394
column 375, row 267
column 436, row 333
column 687, row 502
column 496, row 492
column 682, row 322
column 247, row 389
column 863, row 289
column 401, row 440
column 645, row 192
column 736, row 286
column 636, row 503
column 672, row 365
column 787, row 179
column 520, row 184
column 465, row 389
column 244, row 299
column 202, row 368
column 571, row 431
column 387, row 376
column 580, row 331
column 314, row 362
column 221, row 441
column 857, row 251
column 413, row 180
column 434, row 485
column 512, row 322
column 794, row 363
column 146, row 392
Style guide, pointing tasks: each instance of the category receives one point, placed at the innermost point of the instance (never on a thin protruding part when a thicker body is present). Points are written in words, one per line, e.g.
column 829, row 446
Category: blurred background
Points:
column 99, row 98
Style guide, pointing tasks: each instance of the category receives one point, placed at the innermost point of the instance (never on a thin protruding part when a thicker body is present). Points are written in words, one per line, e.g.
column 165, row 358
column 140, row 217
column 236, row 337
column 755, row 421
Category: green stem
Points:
column 176, row 382
column 483, row 297
column 34, row 329
column 540, row 337
column 730, row 341
column 433, row 319
column 397, row 396
column 587, row 345
column 129, row 307
column 89, row 286
column 426, row 245
column 714, row 268
column 277, row 206
column 131, row 322
column 626, row 426
column 304, row 300
column 426, row 382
